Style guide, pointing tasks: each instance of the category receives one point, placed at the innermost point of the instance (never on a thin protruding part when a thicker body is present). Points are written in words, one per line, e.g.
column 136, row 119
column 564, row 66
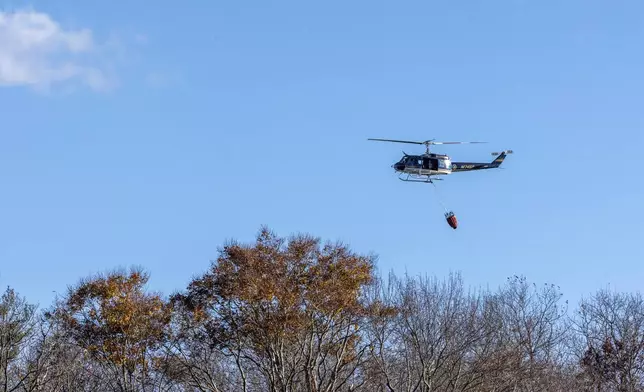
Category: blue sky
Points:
column 177, row 128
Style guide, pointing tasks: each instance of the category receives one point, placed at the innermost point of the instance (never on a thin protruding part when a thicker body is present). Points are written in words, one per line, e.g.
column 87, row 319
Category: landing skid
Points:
column 417, row 178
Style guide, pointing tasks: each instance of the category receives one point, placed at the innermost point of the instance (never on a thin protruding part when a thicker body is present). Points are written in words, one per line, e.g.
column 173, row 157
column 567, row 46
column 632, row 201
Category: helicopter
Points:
column 421, row 168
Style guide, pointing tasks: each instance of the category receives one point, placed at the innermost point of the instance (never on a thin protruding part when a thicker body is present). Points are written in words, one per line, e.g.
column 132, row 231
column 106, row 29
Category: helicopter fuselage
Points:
column 424, row 164
column 430, row 164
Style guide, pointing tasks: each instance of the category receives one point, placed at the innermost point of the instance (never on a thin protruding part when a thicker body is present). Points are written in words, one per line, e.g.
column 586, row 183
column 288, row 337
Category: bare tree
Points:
column 57, row 365
column 195, row 361
column 427, row 335
column 17, row 328
column 381, row 370
column 612, row 328
column 530, row 332
column 433, row 335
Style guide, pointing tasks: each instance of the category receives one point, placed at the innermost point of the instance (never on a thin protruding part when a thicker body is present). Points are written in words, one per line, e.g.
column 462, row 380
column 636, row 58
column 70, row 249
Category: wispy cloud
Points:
column 36, row 51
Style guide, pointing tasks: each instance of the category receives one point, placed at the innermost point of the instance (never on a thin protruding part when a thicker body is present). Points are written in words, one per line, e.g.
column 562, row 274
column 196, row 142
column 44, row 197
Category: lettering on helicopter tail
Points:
column 451, row 220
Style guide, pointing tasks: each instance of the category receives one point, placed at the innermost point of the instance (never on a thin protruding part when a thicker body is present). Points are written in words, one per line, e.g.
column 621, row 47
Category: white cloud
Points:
column 36, row 51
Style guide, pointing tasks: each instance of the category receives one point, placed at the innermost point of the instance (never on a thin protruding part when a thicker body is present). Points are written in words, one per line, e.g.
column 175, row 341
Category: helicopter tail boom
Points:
column 469, row 166
column 500, row 156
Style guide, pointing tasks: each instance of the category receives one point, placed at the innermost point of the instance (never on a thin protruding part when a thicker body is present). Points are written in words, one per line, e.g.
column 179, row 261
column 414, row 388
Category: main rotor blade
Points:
column 427, row 142
column 455, row 142
column 397, row 141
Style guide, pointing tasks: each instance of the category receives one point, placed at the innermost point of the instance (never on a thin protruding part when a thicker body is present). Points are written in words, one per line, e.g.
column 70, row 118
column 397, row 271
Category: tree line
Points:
column 298, row 314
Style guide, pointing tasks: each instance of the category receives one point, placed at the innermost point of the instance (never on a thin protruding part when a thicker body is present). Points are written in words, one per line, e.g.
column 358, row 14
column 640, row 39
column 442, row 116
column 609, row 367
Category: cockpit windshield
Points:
column 444, row 164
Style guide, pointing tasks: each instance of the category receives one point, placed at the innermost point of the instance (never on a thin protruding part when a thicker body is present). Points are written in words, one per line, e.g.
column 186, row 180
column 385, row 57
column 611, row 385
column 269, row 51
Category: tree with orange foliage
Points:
column 287, row 311
column 118, row 324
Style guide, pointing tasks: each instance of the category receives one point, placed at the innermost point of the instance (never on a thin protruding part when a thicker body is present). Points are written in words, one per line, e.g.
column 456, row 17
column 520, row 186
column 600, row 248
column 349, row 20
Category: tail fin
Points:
column 499, row 159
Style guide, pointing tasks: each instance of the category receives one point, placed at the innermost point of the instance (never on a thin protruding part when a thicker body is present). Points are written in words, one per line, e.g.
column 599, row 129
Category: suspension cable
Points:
column 439, row 198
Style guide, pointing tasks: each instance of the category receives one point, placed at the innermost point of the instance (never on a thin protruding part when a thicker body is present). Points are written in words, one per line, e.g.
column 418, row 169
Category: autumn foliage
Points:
column 298, row 314
column 116, row 322
column 284, row 308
